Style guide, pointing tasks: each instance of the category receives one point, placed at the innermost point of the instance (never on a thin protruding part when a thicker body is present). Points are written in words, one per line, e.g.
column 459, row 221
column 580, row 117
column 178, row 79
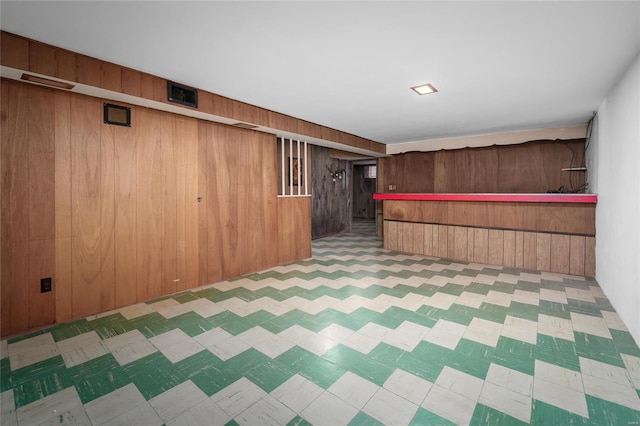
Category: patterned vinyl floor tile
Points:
column 355, row 335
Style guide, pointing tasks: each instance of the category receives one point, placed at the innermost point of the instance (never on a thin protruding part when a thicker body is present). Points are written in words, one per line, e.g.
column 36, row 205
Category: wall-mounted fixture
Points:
column 337, row 174
column 117, row 114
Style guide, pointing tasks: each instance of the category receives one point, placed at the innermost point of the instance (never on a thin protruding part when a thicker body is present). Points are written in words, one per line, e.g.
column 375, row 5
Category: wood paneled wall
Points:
column 568, row 254
column 568, row 218
column 28, row 202
column 29, row 55
column 238, row 210
column 294, row 228
column 331, row 206
column 112, row 214
column 364, row 206
column 532, row 167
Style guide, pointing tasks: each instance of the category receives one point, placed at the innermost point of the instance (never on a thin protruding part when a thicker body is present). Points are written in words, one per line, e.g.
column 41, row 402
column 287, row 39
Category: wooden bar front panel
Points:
column 567, row 218
column 567, row 254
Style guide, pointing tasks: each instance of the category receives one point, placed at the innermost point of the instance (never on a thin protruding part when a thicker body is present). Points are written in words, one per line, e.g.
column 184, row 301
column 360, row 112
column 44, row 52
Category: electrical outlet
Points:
column 45, row 284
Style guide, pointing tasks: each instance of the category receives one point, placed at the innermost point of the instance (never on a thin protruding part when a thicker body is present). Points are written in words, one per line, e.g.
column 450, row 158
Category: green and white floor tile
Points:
column 355, row 335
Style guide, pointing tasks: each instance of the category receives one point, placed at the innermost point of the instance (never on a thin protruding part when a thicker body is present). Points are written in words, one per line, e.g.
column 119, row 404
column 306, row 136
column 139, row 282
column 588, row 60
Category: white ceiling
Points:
column 498, row 66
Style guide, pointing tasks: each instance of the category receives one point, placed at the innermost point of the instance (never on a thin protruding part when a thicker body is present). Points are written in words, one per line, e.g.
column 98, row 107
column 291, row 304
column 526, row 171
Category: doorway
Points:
column 364, row 206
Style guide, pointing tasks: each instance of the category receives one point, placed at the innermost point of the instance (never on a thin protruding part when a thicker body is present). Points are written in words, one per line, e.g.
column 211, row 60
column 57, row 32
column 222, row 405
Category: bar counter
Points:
column 543, row 232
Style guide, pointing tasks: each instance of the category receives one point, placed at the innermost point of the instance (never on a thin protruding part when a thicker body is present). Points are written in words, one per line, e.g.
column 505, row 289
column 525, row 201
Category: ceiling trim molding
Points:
column 490, row 139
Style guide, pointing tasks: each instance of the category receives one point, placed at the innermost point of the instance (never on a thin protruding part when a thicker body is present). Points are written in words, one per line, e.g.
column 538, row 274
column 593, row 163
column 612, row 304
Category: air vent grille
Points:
column 246, row 126
column 182, row 94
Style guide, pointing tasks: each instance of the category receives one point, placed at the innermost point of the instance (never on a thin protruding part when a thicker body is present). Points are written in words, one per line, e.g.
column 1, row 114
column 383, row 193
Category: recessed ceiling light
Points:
column 424, row 89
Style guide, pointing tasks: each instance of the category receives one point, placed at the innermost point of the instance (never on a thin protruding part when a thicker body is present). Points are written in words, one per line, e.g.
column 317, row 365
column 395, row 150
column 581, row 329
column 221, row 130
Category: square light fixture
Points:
column 424, row 89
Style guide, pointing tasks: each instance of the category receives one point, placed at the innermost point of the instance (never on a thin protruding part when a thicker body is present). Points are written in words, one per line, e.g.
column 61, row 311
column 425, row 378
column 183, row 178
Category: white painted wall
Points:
column 613, row 159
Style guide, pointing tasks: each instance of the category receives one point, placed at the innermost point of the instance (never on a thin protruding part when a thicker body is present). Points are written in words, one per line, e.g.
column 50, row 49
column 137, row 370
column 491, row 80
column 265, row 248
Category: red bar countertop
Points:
column 517, row 198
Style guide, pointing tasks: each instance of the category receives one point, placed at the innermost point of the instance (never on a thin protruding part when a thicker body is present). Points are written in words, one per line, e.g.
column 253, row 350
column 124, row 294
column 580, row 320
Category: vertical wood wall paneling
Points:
column 406, row 238
column 110, row 212
column 294, row 228
column 108, row 135
column 451, row 241
column 560, row 253
column 169, row 240
column 263, row 161
column 217, row 206
column 529, row 250
column 225, row 161
column 543, row 252
column 185, row 138
column 520, row 169
column 125, row 214
column 460, row 251
column 31, row 55
column 149, row 224
column 204, row 136
column 496, row 247
column 435, row 233
column 262, row 190
column 535, row 250
column 41, row 208
column 110, row 77
column 519, row 259
column 88, row 70
column 428, row 240
column 590, row 257
column 532, row 167
column 28, row 204
column 391, row 231
column 577, row 255
column 443, row 241
column 62, row 279
column 131, row 82
column 470, row 244
column 418, row 238
column 15, row 51
column 480, row 245
column 12, row 182
column 509, row 254
column 85, row 186
column 42, row 58
column 241, row 173
column 66, row 65
column 331, row 207
column 146, row 86
column 159, row 89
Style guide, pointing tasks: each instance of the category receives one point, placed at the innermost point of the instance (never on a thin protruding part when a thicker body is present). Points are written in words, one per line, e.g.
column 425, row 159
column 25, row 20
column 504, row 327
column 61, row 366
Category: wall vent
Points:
column 245, row 126
column 182, row 94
